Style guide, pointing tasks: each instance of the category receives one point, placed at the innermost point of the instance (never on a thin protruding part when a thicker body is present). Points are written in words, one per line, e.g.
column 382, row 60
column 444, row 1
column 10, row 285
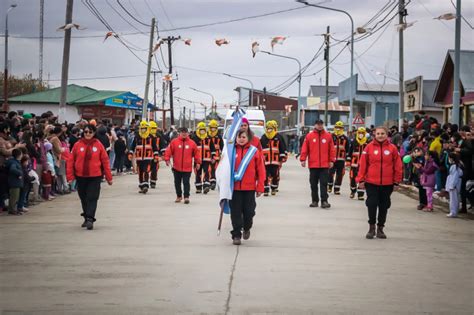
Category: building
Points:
column 82, row 103
column 376, row 103
column 419, row 96
column 444, row 89
column 315, row 105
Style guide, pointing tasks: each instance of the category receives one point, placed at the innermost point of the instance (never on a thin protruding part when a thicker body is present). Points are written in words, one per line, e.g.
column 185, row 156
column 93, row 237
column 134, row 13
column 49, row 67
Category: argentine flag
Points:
column 225, row 170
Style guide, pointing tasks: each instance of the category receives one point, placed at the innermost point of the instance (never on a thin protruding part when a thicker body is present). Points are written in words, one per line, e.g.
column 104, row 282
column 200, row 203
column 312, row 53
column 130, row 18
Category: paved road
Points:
column 150, row 256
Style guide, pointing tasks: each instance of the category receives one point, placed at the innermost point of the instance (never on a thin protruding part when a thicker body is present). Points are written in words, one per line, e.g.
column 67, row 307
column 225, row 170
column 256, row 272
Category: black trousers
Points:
column 378, row 197
column 88, row 189
column 242, row 211
column 213, row 168
column 353, row 176
column 144, row 173
column 338, row 169
column 422, row 196
column 182, row 177
column 154, row 166
column 203, row 181
column 319, row 176
column 273, row 177
column 119, row 162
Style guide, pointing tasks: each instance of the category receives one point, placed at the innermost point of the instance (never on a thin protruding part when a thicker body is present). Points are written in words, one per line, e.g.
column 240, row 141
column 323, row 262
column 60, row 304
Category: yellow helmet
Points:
column 144, row 129
column 201, row 131
column 213, row 128
column 272, row 124
column 339, row 124
column 213, row 124
column 153, row 127
column 361, row 130
column 361, row 135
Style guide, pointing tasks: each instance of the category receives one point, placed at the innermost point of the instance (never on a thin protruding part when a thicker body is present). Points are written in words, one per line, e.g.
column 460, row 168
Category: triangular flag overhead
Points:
column 277, row 40
column 222, row 41
column 255, row 48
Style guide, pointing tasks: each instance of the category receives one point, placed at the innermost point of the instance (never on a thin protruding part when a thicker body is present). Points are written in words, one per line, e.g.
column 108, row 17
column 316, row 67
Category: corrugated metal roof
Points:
column 370, row 87
column 332, row 106
column 320, row 91
column 466, row 69
column 98, row 97
column 429, row 88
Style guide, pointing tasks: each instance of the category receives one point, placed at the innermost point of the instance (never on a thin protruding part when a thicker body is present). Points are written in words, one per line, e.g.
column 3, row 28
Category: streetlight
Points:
column 5, row 73
column 298, row 131
column 251, row 86
column 351, row 101
column 212, row 104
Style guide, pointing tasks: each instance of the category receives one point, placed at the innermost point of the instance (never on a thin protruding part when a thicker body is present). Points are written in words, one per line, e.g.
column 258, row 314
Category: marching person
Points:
column 160, row 144
column 218, row 143
column 255, row 141
column 144, row 150
column 341, row 144
column 274, row 155
column 356, row 148
column 182, row 150
column 318, row 149
column 88, row 164
column 249, row 182
column 207, row 152
column 380, row 173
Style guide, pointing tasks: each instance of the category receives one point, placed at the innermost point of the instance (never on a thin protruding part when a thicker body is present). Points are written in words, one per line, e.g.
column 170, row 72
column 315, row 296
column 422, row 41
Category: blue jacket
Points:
column 15, row 173
column 453, row 182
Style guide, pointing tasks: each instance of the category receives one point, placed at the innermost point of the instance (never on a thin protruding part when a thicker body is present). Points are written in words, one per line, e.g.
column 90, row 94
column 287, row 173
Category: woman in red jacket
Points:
column 249, row 179
column 380, row 173
column 182, row 149
column 87, row 165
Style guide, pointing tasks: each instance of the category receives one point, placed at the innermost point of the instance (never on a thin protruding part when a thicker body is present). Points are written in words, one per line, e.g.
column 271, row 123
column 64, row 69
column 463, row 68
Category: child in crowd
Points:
column 47, row 177
column 418, row 160
column 428, row 177
column 15, row 181
column 453, row 184
column 25, row 190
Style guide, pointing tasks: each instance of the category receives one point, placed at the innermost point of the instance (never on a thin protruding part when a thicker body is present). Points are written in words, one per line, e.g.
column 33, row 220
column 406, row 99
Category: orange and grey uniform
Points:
column 341, row 146
column 218, row 146
column 353, row 157
column 274, row 154
column 145, row 150
column 161, row 144
column 207, row 151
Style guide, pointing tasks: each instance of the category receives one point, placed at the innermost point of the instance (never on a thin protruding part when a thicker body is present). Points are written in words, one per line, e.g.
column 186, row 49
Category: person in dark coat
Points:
column 15, row 181
column 120, row 147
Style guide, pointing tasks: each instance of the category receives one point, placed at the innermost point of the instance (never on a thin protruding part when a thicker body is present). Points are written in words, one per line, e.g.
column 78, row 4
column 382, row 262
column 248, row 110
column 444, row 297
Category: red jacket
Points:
column 183, row 151
column 380, row 164
column 256, row 143
column 318, row 147
column 88, row 159
column 254, row 176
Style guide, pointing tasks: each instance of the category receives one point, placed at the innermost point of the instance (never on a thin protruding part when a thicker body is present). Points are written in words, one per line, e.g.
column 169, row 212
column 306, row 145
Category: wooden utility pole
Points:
column 148, row 70
column 169, row 40
column 327, row 36
column 65, row 67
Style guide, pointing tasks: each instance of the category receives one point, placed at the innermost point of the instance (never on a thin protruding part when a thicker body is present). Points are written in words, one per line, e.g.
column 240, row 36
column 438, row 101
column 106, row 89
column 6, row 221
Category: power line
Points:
column 462, row 16
column 131, row 15
column 103, row 78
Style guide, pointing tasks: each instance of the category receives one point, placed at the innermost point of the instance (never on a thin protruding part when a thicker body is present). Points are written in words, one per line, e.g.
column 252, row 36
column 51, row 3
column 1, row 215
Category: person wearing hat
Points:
column 183, row 151
column 144, row 150
column 356, row 148
column 341, row 144
column 160, row 143
column 318, row 149
column 207, row 152
column 218, row 143
column 274, row 155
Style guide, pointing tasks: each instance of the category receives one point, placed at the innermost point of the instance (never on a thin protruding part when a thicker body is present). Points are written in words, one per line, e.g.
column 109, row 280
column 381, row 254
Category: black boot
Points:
column 325, row 205
column 371, row 234
column 352, row 195
column 314, row 204
column 329, row 188
column 380, row 233
column 89, row 224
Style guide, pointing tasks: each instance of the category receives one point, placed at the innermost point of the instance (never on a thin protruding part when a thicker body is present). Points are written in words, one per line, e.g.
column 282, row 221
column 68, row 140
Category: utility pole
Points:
column 65, row 67
column 184, row 117
column 154, row 89
column 326, row 57
column 169, row 40
column 163, row 106
column 41, row 39
column 148, row 69
column 457, row 57
column 402, row 12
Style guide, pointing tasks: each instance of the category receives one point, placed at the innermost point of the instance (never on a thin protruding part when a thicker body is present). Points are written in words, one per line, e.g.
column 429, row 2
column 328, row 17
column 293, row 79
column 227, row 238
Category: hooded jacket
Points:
column 254, row 176
column 183, row 151
column 15, row 173
column 88, row 159
column 319, row 149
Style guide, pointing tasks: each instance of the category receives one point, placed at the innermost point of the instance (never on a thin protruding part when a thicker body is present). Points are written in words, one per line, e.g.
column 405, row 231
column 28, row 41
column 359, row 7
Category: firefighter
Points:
column 206, row 148
column 357, row 146
column 274, row 154
column 341, row 145
column 160, row 143
column 144, row 150
column 218, row 143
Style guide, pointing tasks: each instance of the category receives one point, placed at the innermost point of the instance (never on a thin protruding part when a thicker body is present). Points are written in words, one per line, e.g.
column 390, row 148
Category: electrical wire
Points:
column 462, row 16
column 131, row 15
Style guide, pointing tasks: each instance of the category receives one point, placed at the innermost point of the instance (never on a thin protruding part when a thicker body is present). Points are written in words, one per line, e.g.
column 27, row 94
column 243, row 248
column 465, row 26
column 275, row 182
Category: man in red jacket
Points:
column 183, row 150
column 318, row 148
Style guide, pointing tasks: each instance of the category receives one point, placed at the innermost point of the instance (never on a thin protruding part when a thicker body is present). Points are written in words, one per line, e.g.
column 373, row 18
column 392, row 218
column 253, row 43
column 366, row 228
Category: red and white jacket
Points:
column 318, row 148
column 183, row 151
column 254, row 176
column 88, row 159
column 380, row 164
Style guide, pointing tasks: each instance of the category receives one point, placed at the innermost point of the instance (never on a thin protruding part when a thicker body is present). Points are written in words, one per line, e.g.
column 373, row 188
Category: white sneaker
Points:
column 451, row 215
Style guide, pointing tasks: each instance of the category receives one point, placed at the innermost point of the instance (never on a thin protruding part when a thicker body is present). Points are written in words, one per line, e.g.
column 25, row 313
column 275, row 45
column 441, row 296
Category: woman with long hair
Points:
column 89, row 162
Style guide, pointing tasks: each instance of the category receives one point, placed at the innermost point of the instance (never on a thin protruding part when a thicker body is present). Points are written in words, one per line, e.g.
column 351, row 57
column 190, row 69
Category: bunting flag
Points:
column 187, row 41
column 168, row 77
column 110, row 34
column 225, row 171
column 222, row 41
column 277, row 40
column 404, row 26
column 255, row 48
column 157, row 46
column 69, row 26
column 446, row 16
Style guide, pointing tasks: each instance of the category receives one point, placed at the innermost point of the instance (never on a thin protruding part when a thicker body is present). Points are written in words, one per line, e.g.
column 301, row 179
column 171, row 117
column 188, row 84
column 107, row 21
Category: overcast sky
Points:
column 426, row 43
